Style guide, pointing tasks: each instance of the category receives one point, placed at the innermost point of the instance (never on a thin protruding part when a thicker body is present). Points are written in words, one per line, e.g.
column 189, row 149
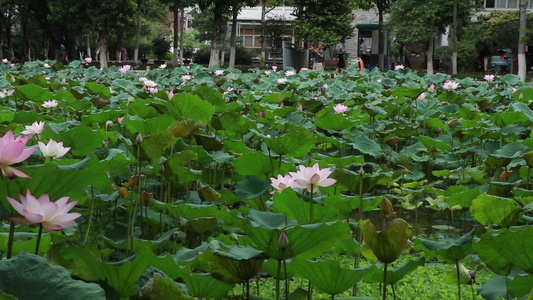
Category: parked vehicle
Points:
column 502, row 62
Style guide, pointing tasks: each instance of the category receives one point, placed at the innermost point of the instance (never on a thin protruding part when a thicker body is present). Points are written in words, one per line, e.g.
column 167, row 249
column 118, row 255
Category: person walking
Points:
column 363, row 50
column 340, row 53
column 318, row 56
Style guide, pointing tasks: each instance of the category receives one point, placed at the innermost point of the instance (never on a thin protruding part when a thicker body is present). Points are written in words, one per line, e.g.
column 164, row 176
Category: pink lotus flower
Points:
column 12, row 151
column 88, row 60
column 35, row 128
column 50, row 104
column 325, row 86
column 149, row 83
column 170, row 94
column 422, row 96
column 311, row 178
column 431, row 88
column 153, row 90
column 219, row 72
column 450, row 85
column 267, row 72
column 489, row 78
column 304, row 69
column 119, row 120
column 186, row 78
column 300, row 108
column 282, row 80
column 162, row 66
column 281, row 183
column 5, row 60
column 52, row 215
column 124, row 69
column 399, row 67
column 340, row 108
column 53, row 149
column 274, row 68
column 290, row 73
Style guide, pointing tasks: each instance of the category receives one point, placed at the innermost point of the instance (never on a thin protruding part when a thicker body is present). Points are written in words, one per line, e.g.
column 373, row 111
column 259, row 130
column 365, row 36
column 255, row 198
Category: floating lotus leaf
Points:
column 47, row 282
column 506, row 249
column 388, row 244
column 328, row 276
column 488, row 209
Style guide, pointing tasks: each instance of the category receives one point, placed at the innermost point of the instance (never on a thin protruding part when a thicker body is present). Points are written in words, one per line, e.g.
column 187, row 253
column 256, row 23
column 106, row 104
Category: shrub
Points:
column 160, row 46
column 243, row 56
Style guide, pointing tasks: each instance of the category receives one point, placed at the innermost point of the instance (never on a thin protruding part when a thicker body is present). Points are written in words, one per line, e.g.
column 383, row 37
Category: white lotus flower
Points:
column 53, row 149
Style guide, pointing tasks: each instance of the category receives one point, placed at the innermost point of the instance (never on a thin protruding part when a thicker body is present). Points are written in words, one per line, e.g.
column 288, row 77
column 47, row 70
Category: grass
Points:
column 426, row 282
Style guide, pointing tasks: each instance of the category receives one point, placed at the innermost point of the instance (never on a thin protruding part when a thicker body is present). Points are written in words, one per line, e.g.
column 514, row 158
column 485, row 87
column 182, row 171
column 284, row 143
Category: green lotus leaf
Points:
column 393, row 275
column 352, row 181
column 46, row 280
column 506, row 249
column 428, row 142
column 164, row 241
column 255, row 163
column 459, row 195
column 191, row 107
column 190, row 211
column 25, row 241
column 98, row 89
column 294, row 207
column 448, row 250
column 59, row 181
column 233, row 123
column 517, row 285
column 296, row 143
column 210, row 143
column 488, row 209
column 231, row 264
column 328, row 276
column 155, row 145
column 495, row 161
column 33, row 92
column 312, row 239
column 121, row 276
column 203, row 285
column 6, row 115
column 366, row 146
column 212, row 96
column 388, row 244
column 161, row 288
column 148, row 126
column 511, row 150
column 503, row 119
column 271, row 267
column 82, row 140
column 326, row 119
column 277, row 97
column 251, row 187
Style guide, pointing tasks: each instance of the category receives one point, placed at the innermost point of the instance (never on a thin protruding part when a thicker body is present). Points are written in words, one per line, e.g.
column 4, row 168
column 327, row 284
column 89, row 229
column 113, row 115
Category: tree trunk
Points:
column 235, row 12
column 214, row 60
column 138, row 34
column 263, row 20
column 454, row 37
column 102, row 49
column 88, row 46
column 26, row 39
column 1, row 44
column 381, row 37
column 175, row 56
column 522, row 65
column 182, row 30
column 429, row 55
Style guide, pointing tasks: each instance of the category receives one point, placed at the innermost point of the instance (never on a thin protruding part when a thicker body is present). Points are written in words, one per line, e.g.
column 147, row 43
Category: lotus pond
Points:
column 195, row 183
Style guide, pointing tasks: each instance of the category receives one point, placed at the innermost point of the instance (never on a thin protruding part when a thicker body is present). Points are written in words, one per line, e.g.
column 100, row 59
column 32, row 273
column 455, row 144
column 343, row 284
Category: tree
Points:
column 522, row 66
column 419, row 22
column 236, row 7
column 220, row 9
column 383, row 7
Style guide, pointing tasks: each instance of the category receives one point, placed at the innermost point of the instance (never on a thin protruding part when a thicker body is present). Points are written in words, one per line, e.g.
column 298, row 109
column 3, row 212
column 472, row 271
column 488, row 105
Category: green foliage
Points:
column 160, row 46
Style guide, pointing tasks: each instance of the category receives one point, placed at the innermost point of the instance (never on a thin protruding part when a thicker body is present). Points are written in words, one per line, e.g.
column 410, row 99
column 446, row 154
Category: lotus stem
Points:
column 310, row 291
column 359, row 232
column 528, row 176
column 393, row 291
column 39, row 238
column 286, row 279
column 10, row 239
column 90, row 216
column 248, row 289
column 311, row 211
column 277, row 281
column 473, row 294
column 458, row 280
column 385, row 282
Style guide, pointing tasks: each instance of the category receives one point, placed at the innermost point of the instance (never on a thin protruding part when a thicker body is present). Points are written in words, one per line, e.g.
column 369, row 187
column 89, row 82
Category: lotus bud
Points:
column 451, row 122
column 385, row 206
column 432, row 149
column 300, row 108
column 146, row 198
column 361, row 171
column 262, row 114
column 139, row 138
column 521, row 96
column 283, row 241
column 506, row 174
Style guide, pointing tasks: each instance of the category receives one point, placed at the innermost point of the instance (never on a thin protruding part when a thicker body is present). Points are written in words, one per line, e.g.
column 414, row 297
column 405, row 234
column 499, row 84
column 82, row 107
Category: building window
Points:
column 509, row 4
column 251, row 35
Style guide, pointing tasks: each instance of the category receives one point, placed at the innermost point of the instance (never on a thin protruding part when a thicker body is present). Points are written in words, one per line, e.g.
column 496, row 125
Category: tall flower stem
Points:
column 277, row 281
column 39, row 238
column 311, row 211
column 359, row 232
column 458, row 280
column 286, row 279
column 385, row 282
column 90, row 216
column 10, row 239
